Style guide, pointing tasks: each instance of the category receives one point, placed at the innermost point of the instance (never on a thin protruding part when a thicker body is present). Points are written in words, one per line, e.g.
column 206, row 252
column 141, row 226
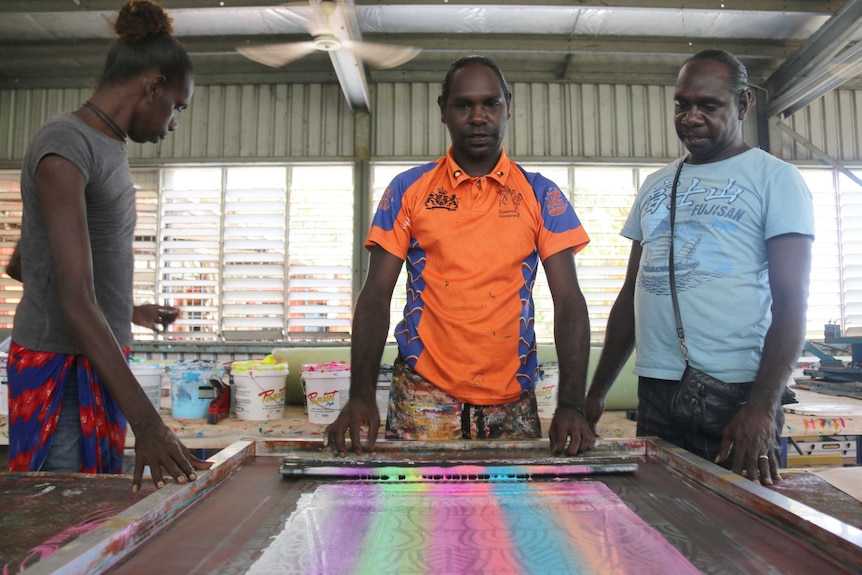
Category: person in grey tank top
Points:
column 71, row 390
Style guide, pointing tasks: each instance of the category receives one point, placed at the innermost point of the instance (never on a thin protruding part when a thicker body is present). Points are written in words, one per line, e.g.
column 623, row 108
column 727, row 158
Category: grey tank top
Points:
column 110, row 203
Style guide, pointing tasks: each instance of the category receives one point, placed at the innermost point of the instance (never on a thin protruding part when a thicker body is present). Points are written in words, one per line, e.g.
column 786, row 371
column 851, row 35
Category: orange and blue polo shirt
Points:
column 472, row 247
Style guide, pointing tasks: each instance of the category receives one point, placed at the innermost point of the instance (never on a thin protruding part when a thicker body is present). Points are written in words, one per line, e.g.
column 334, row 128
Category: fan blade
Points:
column 383, row 56
column 276, row 55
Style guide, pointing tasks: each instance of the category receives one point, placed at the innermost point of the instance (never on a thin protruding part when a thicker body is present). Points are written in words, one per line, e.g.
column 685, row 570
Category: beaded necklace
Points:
column 107, row 119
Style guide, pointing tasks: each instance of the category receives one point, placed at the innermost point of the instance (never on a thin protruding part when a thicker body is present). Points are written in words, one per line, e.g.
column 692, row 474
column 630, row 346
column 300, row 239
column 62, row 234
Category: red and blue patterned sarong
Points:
column 37, row 383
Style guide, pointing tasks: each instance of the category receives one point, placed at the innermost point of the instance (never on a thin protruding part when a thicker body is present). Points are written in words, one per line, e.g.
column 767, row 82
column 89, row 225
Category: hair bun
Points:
column 139, row 19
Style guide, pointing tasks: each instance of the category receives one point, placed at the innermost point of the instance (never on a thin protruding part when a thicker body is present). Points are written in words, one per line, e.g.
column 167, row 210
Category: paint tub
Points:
column 191, row 390
column 259, row 388
column 149, row 375
column 546, row 389
column 384, row 383
column 326, row 387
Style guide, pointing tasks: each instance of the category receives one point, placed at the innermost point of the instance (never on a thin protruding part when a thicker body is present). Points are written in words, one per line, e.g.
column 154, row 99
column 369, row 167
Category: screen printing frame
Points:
column 418, row 461
column 119, row 537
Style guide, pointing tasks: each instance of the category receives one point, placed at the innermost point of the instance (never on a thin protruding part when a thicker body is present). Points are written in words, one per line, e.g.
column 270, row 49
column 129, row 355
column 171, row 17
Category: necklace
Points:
column 107, row 119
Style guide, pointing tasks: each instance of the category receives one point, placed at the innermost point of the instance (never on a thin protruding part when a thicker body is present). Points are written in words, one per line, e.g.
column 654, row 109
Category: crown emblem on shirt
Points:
column 440, row 200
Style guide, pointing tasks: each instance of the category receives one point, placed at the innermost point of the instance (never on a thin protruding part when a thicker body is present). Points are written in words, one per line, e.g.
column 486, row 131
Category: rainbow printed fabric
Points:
column 472, row 527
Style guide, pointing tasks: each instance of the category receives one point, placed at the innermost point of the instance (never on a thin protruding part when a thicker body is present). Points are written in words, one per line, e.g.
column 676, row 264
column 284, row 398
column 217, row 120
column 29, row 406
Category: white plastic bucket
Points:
column 546, row 389
column 149, row 375
column 259, row 389
column 191, row 390
column 326, row 387
column 384, row 383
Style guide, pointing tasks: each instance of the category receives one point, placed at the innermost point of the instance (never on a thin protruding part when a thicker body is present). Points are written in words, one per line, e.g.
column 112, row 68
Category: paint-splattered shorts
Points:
column 418, row 410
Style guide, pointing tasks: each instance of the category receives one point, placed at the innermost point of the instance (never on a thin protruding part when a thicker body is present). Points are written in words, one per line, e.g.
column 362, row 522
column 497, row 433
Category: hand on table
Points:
column 570, row 426
column 357, row 414
column 751, row 434
column 159, row 448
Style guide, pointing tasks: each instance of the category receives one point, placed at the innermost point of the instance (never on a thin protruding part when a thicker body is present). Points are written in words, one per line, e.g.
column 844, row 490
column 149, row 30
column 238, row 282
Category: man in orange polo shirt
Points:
column 472, row 227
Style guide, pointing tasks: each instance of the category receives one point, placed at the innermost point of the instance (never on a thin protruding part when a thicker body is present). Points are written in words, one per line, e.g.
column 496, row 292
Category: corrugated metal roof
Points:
column 62, row 43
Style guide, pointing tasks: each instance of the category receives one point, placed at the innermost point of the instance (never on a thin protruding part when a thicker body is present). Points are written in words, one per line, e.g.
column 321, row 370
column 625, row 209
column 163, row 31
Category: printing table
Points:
column 816, row 414
column 198, row 434
column 675, row 509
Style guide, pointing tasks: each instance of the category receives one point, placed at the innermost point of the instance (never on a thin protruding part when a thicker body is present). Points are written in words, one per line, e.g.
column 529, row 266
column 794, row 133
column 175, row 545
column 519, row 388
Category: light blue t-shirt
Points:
column 725, row 212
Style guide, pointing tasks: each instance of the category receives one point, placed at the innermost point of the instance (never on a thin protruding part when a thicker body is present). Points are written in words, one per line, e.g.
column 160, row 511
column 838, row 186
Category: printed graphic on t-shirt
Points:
column 704, row 215
column 441, row 200
column 385, row 200
column 509, row 201
column 556, row 202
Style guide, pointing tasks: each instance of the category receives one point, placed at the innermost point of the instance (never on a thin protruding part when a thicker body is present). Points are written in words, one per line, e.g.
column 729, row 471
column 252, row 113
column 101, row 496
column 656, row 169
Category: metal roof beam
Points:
column 803, row 6
column 429, row 43
column 348, row 66
column 807, row 74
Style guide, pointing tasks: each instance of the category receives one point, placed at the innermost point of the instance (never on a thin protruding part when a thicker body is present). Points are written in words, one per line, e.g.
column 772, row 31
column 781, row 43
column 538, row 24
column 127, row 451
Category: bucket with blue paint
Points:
column 191, row 390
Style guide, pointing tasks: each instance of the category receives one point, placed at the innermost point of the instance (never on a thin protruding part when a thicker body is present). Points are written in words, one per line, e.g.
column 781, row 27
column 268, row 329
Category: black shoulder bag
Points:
column 701, row 402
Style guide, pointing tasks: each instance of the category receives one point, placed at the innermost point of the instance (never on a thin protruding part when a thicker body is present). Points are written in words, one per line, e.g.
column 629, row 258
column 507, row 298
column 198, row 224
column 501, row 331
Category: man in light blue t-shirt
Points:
column 742, row 236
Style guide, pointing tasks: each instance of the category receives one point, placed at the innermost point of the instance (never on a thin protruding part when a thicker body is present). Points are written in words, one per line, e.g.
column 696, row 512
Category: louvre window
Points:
column 257, row 253
column 145, row 242
column 266, row 252
column 850, row 253
column 190, row 250
column 253, row 256
column 10, row 231
column 825, row 293
column 321, row 238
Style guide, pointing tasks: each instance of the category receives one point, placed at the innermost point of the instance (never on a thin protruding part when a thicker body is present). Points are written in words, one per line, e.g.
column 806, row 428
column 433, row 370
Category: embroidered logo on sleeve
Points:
column 386, row 200
column 555, row 202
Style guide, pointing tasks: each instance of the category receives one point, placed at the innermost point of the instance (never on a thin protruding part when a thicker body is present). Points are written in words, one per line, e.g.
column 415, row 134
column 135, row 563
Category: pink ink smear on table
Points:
column 472, row 527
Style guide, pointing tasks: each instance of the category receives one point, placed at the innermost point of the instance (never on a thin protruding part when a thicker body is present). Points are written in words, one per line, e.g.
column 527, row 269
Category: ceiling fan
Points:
column 329, row 29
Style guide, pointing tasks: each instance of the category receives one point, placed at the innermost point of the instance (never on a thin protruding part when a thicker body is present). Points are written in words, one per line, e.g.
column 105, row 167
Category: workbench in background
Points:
column 819, row 420
column 815, row 416
column 815, row 420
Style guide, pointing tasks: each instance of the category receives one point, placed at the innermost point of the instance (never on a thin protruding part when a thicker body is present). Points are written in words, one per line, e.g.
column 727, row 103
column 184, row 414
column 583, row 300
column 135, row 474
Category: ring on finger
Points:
column 766, row 457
